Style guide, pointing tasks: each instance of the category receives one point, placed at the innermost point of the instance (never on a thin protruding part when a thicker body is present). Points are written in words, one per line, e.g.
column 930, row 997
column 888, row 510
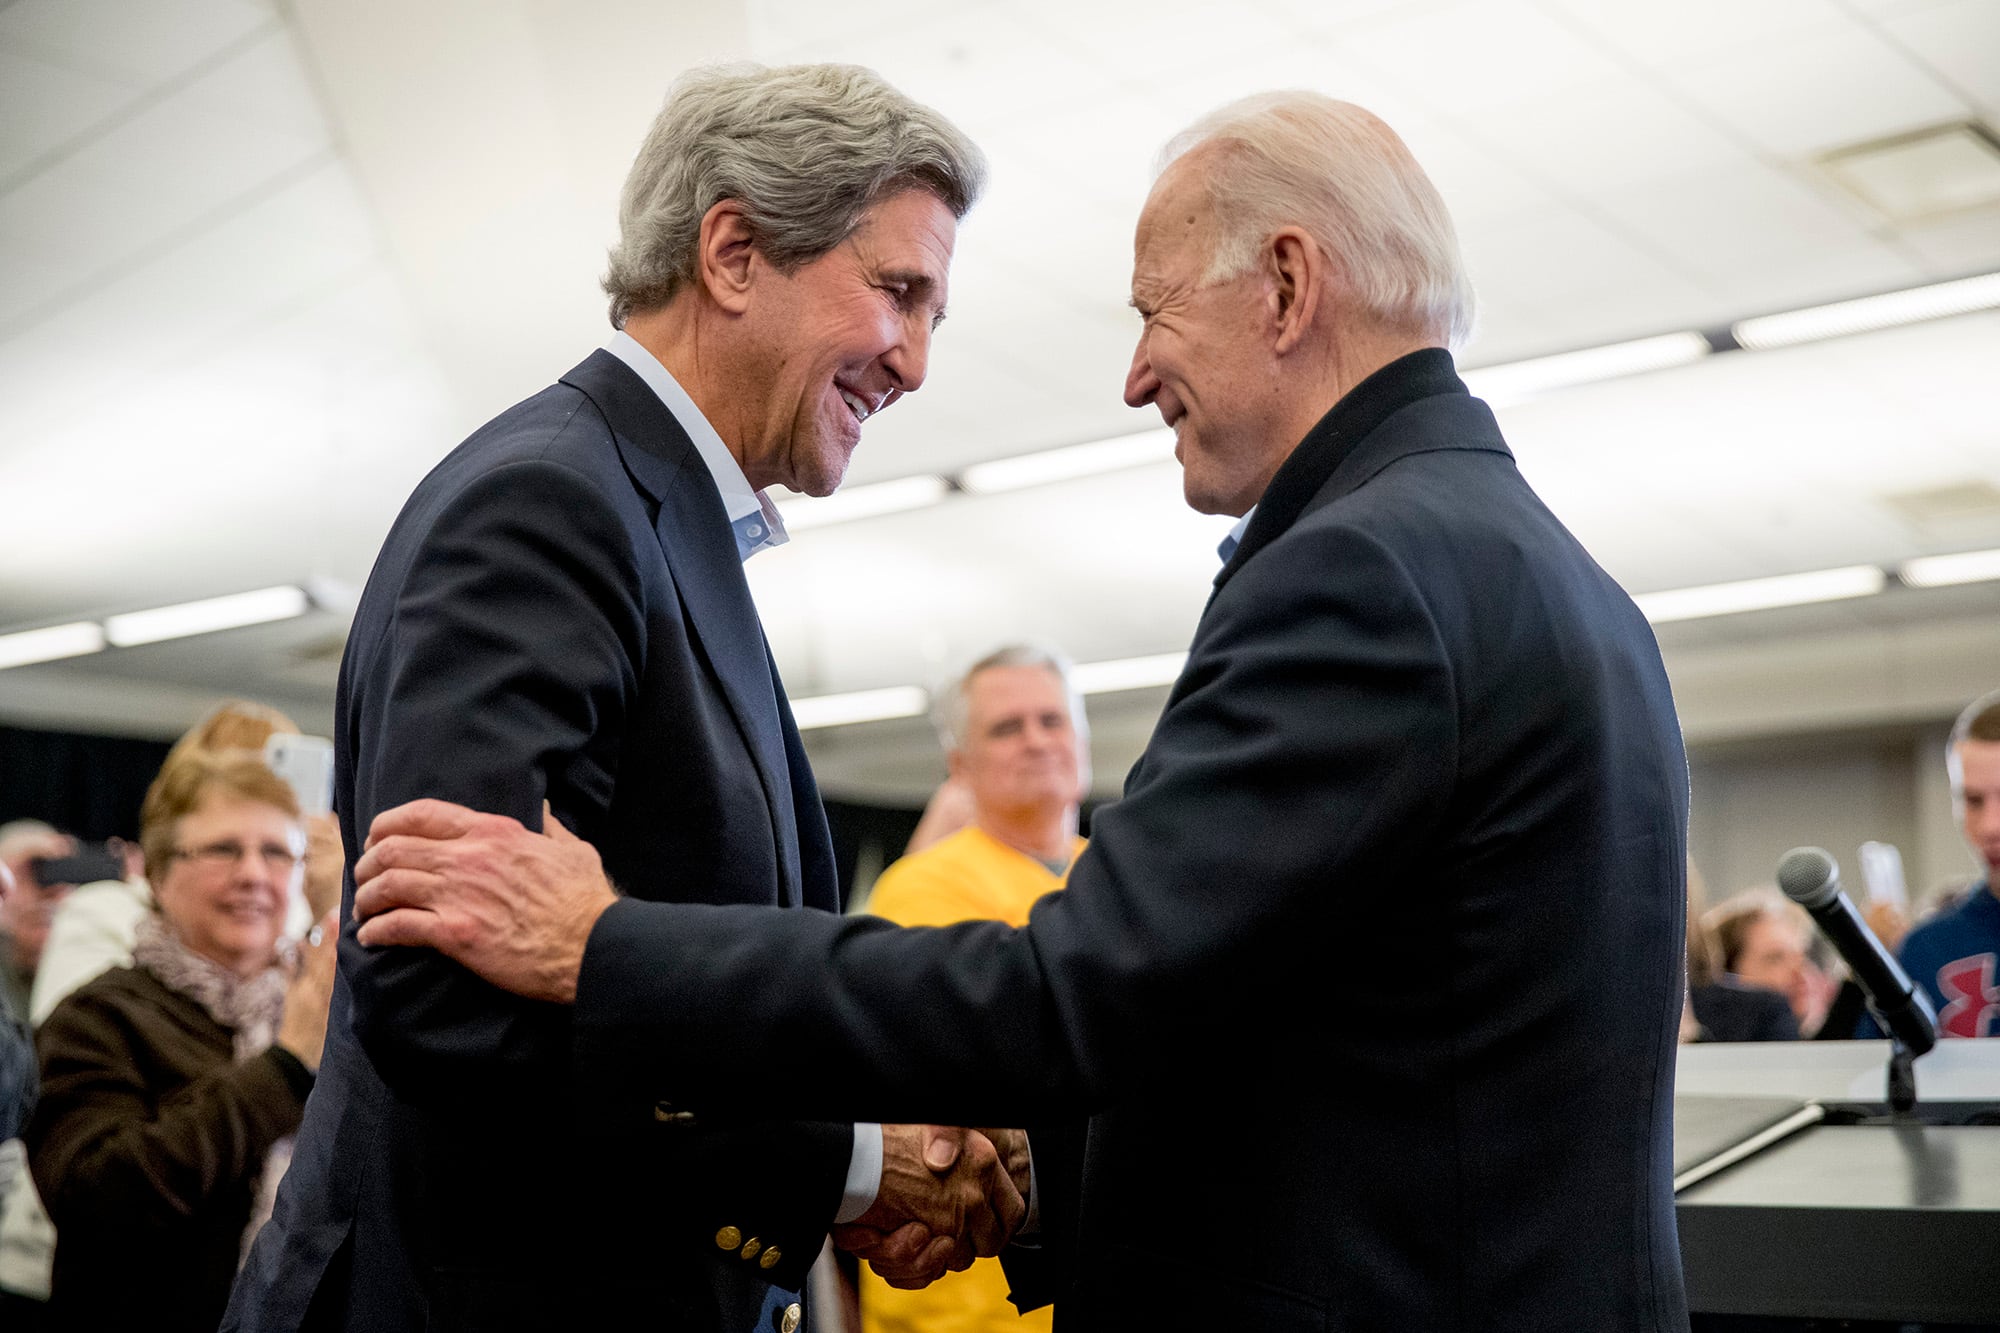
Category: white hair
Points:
column 1335, row 170
column 951, row 708
column 806, row 149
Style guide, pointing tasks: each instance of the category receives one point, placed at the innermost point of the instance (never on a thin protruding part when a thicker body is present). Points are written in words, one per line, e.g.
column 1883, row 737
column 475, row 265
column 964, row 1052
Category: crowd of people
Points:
column 178, row 1015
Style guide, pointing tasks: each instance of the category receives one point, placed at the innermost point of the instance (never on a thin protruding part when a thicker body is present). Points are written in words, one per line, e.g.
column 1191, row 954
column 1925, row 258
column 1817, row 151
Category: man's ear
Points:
column 725, row 256
column 1298, row 272
column 954, row 763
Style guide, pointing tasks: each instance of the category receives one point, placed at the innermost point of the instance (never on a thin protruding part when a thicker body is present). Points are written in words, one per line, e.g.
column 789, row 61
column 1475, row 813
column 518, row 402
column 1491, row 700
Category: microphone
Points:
column 1811, row 878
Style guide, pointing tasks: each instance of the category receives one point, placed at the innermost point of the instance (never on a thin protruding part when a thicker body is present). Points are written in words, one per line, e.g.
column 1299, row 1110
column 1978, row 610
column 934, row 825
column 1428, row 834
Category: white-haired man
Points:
column 1015, row 738
column 1330, row 981
column 560, row 615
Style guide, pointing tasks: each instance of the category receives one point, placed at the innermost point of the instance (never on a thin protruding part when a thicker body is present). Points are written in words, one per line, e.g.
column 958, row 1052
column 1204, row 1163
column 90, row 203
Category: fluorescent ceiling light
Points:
column 1076, row 460
column 1722, row 599
column 207, row 616
column 48, row 645
column 839, row 710
column 1521, row 379
column 1127, row 673
column 1938, row 571
column 882, row 497
column 1870, row 312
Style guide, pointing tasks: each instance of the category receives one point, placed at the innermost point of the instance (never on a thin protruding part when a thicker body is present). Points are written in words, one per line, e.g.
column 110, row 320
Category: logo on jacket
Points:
column 1971, row 997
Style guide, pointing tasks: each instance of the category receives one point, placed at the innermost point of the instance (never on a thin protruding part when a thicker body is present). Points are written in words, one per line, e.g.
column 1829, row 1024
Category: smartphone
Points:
column 306, row 763
column 91, row 862
column 1882, row 873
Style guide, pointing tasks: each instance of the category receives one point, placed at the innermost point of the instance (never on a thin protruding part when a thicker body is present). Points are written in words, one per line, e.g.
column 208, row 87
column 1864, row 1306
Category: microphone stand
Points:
column 1902, row 1078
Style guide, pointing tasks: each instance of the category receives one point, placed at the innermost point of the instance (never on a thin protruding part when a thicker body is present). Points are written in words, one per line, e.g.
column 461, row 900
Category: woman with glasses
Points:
column 170, row 1088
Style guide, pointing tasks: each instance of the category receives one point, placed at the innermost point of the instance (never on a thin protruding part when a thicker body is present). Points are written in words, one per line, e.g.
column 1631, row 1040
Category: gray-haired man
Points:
column 560, row 615
column 1014, row 735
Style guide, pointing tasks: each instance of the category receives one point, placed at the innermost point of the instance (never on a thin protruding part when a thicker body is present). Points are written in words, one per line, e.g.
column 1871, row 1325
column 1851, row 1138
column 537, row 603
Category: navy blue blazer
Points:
column 559, row 612
column 1371, row 982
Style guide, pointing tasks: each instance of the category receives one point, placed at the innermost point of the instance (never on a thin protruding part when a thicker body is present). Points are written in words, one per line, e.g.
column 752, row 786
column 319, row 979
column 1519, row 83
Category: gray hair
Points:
column 807, row 149
column 1335, row 170
column 950, row 708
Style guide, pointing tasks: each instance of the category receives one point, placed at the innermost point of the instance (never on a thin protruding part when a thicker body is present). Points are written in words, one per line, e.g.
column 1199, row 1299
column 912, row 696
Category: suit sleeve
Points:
column 510, row 652
column 1306, row 755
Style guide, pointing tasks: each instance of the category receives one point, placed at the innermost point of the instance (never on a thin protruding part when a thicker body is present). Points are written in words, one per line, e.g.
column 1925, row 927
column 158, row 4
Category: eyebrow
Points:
column 921, row 285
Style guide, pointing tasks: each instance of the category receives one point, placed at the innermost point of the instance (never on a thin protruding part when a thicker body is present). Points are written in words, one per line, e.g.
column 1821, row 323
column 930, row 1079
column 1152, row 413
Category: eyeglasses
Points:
column 220, row 855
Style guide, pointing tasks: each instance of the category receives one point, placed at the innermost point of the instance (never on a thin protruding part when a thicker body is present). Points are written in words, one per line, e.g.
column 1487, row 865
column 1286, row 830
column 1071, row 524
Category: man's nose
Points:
column 1140, row 381
column 909, row 360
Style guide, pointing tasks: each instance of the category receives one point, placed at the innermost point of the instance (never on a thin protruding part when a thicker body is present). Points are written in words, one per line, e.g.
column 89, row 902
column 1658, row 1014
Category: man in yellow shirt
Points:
column 1015, row 737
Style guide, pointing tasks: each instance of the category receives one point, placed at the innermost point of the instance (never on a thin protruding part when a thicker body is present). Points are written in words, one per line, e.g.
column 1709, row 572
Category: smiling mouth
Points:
column 859, row 406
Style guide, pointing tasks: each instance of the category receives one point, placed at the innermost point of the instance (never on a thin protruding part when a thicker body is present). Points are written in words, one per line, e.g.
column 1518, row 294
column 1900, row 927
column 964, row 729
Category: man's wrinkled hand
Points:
column 514, row 906
column 947, row 1197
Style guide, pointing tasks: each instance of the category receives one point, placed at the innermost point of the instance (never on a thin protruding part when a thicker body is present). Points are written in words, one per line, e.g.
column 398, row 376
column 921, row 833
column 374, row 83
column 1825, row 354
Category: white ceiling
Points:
column 260, row 267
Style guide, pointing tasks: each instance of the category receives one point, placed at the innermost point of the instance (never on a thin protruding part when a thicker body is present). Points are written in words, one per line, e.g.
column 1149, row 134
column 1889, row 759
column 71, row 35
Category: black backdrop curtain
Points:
column 90, row 786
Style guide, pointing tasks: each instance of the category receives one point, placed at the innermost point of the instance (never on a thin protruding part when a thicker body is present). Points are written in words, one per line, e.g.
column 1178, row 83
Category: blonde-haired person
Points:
column 170, row 1088
column 93, row 929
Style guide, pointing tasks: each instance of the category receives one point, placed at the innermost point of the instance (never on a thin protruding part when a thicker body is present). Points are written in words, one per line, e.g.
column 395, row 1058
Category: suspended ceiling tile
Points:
column 223, row 284
column 1476, row 182
column 150, row 184
column 264, row 85
column 1724, row 222
column 142, row 43
column 1478, row 56
column 978, row 65
column 46, row 106
column 1960, row 41
column 1669, row 35
column 1817, row 91
column 1150, row 41
column 1315, row 62
column 782, row 31
column 1604, row 135
column 1337, row 15
column 1572, row 263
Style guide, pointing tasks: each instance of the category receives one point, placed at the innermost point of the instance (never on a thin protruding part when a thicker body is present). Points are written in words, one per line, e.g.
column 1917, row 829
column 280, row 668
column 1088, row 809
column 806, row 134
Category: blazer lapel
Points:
column 700, row 551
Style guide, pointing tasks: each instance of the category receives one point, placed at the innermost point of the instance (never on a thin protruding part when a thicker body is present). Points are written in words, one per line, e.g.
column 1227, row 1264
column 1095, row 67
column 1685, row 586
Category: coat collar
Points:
column 1347, row 446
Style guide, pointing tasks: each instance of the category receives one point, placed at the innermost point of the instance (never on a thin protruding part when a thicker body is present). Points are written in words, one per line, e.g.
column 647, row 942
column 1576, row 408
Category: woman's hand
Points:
column 302, row 1030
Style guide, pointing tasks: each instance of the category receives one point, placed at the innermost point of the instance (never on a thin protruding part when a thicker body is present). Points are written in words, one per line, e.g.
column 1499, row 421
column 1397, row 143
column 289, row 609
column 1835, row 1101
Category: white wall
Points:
column 1755, row 799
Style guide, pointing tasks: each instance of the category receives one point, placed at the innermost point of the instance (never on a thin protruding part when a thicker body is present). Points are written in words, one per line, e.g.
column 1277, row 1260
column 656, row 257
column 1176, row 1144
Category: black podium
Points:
column 1804, row 1207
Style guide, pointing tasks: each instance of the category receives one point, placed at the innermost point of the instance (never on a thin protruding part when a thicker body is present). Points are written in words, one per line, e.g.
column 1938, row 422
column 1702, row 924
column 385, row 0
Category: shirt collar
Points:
column 752, row 517
column 1227, row 547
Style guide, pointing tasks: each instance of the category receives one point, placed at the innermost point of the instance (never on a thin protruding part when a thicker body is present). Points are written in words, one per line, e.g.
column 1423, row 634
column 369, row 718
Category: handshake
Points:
column 948, row 1196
